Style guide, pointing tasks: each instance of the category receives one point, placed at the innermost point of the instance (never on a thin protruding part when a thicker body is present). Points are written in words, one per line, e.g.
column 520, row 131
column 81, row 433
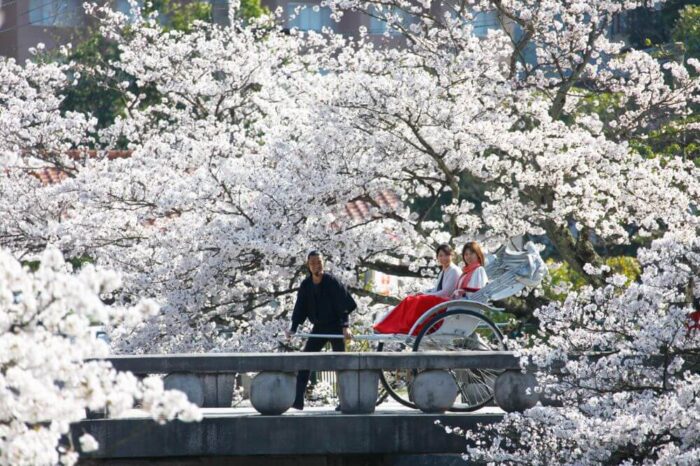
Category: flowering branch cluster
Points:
column 245, row 143
column 50, row 372
column 619, row 367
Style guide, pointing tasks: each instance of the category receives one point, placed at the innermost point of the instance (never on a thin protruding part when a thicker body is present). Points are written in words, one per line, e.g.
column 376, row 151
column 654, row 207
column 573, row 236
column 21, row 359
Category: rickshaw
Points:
column 463, row 325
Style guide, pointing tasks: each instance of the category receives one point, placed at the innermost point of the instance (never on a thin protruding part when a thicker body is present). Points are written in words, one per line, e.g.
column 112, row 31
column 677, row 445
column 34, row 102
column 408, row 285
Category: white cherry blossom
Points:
column 49, row 376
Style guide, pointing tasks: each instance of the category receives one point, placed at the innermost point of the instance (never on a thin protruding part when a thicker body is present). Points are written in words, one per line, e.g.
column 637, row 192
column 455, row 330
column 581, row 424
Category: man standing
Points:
column 326, row 302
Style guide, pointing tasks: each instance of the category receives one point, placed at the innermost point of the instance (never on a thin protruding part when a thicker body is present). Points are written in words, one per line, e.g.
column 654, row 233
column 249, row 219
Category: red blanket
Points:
column 403, row 316
column 693, row 321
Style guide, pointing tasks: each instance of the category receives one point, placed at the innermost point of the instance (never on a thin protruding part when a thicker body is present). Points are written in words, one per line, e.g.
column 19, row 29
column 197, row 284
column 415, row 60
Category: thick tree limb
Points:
column 576, row 252
column 376, row 298
column 399, row 270
column 522, row 307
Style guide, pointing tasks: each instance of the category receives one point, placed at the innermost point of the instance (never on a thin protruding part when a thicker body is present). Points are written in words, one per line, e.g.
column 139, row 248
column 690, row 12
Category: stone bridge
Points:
column 266, row 434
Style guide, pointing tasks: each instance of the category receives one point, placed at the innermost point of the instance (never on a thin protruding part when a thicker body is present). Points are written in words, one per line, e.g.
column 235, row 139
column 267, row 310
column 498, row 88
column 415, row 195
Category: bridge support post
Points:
column 204, row 390
column 273, row 393
column 357, row 390
column 434, row 391
column 515, row 391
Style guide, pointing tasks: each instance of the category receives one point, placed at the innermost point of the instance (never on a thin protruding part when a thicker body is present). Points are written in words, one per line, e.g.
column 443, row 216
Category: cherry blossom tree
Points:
column 34, row 136
column 224, row 133
column 50, row 373
column 620, row 363
column 245, row 143
column 241, row 147
column 500, row 123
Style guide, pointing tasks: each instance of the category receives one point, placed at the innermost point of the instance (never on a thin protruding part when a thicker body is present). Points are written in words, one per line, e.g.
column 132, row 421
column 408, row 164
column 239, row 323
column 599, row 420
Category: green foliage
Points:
column 671, row 140
column 687, row 30
column 252, row 9
column 76, row 262
column 79, row 261
column 648, row 27
column 103, row 99
column 606, row 105
column 625, row 265
column 91, row 95
column 672, row 10
column 563, row 279
column 33, row 266
column 679, row 21
column 178, row 16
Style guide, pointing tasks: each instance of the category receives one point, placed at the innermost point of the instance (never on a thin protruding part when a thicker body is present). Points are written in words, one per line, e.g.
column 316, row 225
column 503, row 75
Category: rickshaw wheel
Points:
column 464, row 330
column 396, row 383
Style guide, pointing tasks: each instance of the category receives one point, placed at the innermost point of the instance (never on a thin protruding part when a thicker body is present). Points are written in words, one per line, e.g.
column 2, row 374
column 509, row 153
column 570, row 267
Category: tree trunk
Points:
column 576, row 252
column 522, row 307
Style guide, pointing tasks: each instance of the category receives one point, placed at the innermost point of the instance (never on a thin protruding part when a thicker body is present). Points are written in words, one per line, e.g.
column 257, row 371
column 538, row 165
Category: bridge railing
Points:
column 208, row 379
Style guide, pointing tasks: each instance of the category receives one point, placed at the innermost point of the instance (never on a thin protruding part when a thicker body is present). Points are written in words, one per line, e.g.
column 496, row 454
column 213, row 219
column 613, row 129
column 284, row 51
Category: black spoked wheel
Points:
column 464, row 330
column 396, row 383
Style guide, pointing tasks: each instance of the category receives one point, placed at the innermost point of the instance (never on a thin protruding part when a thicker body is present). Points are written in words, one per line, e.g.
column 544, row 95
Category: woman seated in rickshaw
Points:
column 473, row 277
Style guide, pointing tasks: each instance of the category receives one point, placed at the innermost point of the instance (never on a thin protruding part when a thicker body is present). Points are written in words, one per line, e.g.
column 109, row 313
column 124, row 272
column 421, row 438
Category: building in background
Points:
column 309, row 16
column 25, row 23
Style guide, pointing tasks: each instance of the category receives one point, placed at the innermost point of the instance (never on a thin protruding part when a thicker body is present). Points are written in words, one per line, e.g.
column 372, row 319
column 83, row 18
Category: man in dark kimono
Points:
column 326, row 302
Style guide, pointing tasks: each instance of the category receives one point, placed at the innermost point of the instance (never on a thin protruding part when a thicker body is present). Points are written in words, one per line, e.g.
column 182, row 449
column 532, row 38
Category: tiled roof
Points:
column 53, row 175
column 50, row 175
column 111, row 154
column 360, row 209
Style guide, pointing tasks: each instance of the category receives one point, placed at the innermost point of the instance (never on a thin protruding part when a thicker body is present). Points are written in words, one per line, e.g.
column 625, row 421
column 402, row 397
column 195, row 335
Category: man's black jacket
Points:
column 326, row 304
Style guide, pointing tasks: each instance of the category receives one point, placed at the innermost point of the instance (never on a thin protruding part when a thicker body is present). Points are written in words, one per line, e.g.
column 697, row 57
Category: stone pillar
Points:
column 357, row 390
column 434, row 391
column 273, row 393
column 204, row 390
column 218, row 390
column 101, row 414
column 511, row 391
column 191, row 384
column 244, row 381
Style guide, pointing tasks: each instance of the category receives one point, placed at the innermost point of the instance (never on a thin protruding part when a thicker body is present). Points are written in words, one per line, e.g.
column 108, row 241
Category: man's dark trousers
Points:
column 313, row 345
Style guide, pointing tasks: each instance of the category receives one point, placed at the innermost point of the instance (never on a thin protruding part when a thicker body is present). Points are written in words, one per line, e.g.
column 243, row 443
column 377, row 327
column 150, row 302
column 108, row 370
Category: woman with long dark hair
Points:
column 446, row 281
column 473, row 278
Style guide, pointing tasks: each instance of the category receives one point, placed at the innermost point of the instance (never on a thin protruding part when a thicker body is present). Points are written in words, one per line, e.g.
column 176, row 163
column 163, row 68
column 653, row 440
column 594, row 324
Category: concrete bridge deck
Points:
column 315, row 436
column 314, row 432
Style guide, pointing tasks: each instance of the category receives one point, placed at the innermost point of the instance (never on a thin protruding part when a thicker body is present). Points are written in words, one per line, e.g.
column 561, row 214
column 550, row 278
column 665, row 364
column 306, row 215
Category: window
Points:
column 219, row 12
column 618, row 25
column 481, row 21
column 377, row 25
column 308, row 16
column 485, row 21
column 123, row 6
column 57, row 13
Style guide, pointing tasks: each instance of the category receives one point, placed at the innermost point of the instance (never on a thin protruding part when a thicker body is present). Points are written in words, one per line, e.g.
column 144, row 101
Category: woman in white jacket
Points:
column 448, row 277
column 451, row 285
